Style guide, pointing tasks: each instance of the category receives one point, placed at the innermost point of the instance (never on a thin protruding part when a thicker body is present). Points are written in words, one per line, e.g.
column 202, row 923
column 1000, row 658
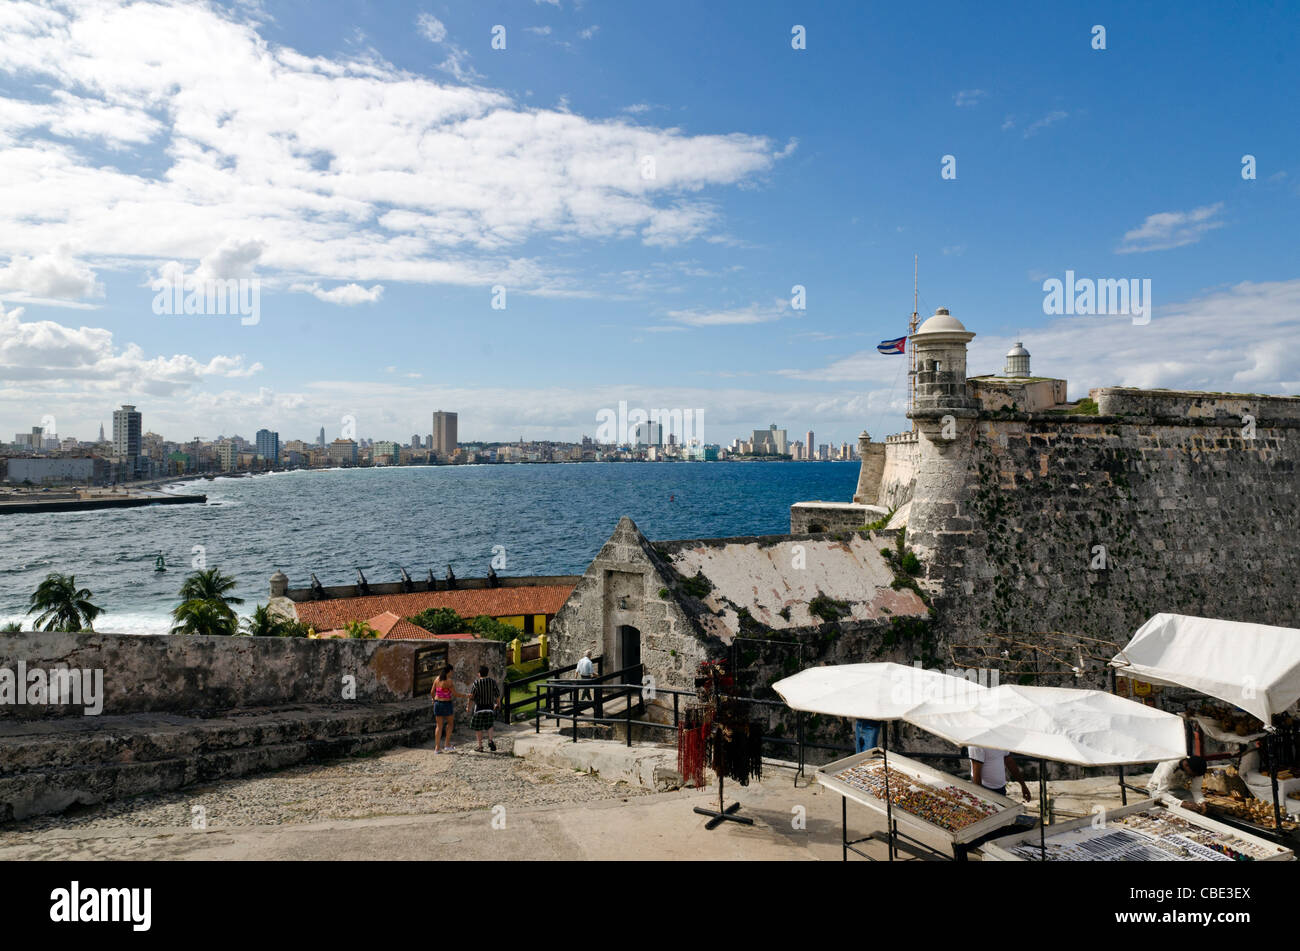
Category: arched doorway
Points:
column 629, row 646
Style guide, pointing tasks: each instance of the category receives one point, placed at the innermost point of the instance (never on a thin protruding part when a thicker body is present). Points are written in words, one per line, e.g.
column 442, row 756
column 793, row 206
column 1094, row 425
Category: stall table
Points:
column 914, row 784
column 1153, row 830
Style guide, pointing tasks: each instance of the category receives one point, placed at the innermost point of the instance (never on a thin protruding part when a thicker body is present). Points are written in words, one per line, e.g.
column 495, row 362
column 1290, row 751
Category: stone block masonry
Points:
column 201, row 675
column 1090, row 525
column 180, row 710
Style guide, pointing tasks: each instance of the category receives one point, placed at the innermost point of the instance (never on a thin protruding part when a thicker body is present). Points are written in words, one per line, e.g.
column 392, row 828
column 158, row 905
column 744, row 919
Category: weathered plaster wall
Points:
column 870, row 470
column 813, row 517
column 183, row 674
column 626, row 566
column 1127, row 401
column 902, row 453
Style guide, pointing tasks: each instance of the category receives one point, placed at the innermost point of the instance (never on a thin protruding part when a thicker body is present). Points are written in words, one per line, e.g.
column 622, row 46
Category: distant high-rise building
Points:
column 428, row 441
column 415, row 440
column 809, row 447
column 444, row 433
column 770, row 441
column 268, row 445
column 227, row 454
column 127, row 431
column 649, row 434
column 101, row 433
column 320, row 440
column 343, row 452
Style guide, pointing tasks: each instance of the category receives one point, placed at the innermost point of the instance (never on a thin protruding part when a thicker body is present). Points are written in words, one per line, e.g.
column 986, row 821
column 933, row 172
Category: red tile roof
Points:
column 334, row 613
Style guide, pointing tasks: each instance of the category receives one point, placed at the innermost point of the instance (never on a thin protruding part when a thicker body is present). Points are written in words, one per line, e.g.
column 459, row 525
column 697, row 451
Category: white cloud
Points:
column 1171, row 229
column 589, row 32
column 431, row 28
column 56, row 274
column 346, row 295
column 753, row 314
column 969, row 97
column 1183, row 347
column 341, row 169
column 45, row 353
column 1039, row 124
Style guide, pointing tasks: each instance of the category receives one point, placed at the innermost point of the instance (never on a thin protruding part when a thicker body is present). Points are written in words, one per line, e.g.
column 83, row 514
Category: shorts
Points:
column 443, row 708
column 483, row 719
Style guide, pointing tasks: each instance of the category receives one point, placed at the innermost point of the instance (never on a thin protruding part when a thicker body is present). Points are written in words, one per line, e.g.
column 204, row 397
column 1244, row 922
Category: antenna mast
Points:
column 911, row 331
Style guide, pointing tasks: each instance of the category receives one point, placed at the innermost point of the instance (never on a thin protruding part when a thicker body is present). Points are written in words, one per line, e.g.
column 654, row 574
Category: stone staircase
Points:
column 50, row 765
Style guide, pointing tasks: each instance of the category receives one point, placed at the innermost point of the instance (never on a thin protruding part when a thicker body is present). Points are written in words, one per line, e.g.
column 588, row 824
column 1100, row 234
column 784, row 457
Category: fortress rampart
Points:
column 1058, row 521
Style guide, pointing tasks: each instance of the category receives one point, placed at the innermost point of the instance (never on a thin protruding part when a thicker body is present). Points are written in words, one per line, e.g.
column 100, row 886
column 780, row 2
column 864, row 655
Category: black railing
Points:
column 565, row 702
column 508, row 707
column 567, row 699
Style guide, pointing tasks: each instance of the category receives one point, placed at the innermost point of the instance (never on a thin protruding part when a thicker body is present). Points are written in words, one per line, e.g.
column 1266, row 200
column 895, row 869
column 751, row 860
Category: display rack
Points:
column 1002, row 810
column 1168, row 833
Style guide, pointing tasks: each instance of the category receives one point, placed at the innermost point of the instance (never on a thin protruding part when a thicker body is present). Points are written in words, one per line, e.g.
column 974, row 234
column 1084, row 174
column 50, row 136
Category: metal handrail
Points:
column 522, row 682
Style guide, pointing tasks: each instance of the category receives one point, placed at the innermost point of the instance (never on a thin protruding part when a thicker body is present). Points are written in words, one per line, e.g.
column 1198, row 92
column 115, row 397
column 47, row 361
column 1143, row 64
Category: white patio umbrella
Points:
column 1255, row 667
column 882, row 691
column 1252, row 666
column 1083, row 727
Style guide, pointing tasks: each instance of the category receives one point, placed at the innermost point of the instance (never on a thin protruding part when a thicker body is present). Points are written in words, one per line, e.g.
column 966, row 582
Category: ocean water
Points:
column 551, row 519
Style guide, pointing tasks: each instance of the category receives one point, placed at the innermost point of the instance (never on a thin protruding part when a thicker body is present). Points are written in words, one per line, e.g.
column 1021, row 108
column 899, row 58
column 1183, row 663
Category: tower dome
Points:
column 1017, row 361
column 941, row 322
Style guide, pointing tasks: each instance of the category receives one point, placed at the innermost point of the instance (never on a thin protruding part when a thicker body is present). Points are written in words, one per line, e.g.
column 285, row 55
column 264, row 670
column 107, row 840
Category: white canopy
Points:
column 1252, row 666
column 873, row 691
column 1083, row 727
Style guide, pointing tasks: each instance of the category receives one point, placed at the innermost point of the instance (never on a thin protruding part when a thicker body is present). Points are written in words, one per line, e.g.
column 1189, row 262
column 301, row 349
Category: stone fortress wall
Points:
column 1058, row 521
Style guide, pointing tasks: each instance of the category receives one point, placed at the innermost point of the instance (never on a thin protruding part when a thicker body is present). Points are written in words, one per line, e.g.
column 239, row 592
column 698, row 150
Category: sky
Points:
column 528, row 211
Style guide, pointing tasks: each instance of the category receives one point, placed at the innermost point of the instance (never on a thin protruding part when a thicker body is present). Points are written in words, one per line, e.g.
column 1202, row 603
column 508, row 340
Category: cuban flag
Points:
column 897, row 345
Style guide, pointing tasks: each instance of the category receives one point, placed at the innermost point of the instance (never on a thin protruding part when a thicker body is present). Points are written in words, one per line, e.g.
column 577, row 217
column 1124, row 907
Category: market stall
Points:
column 924, row 800
column 882, row 692
column 1254, row 668
column 1153, row 830
column 1079, row 727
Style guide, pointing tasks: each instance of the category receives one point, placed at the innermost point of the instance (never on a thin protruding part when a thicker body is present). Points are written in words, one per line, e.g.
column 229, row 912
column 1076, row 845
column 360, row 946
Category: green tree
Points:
column 264, row 622
column 440, row 621
column 13, row 627
column 494, row 630
column 211, row 585
column 63, row 606
column 199, row 616
column 360, row 629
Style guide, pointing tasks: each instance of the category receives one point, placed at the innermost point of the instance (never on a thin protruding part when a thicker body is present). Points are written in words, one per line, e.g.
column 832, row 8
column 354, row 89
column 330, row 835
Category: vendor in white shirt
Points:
column 1180, row 778
column 989, row 768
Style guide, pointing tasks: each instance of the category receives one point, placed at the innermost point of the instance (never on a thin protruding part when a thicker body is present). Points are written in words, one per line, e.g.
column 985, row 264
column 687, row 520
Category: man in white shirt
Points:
column 989, row 768
column 1177, row 778
column 586, row 671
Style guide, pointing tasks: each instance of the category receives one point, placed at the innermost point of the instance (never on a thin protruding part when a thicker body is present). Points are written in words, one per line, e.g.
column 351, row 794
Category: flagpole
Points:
column 911, row 328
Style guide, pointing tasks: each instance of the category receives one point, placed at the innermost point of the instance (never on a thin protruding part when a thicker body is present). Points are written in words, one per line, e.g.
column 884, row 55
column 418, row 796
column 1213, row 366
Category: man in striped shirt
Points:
column 485, row 696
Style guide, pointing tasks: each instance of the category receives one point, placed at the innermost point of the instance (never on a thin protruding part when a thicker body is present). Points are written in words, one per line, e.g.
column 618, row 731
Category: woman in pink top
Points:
column 444, row 710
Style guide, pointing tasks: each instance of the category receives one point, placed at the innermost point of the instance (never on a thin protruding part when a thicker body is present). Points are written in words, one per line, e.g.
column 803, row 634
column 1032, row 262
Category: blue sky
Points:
column 380, row 168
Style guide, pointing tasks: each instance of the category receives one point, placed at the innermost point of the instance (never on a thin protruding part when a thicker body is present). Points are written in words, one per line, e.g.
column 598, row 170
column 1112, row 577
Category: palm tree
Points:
column 263, row 623
column 12, row 627
column 211, row 585
column 201, row 616
column 360, row 629
column 64, row 606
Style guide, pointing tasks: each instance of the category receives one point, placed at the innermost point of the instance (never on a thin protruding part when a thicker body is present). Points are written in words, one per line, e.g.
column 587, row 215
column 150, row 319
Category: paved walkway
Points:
column 411, row 804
